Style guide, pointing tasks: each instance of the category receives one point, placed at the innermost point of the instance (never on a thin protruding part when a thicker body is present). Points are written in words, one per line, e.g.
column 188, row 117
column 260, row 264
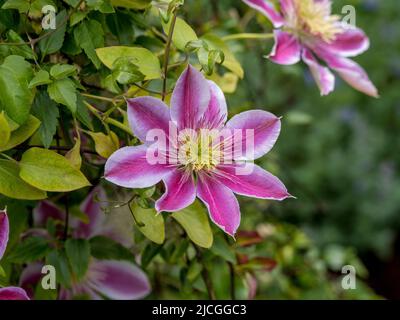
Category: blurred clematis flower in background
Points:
column 8, row 293
column 119, row 280
column 306, row 30
column 198, row 114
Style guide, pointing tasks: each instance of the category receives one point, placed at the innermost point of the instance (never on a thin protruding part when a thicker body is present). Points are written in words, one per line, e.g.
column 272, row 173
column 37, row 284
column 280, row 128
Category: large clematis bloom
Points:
column 8, row 293
column 198, row 117
column 306, row 30
column 118, row 280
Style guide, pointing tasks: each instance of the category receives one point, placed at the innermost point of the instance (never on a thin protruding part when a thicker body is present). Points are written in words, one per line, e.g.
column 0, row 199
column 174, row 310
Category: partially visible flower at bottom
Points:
column 8, row 293
column 118, row 280
column 198, row 110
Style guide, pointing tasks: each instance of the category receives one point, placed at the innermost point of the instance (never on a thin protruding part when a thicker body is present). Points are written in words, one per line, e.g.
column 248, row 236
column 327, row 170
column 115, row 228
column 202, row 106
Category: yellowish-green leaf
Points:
column 151, row 223
column 49, row 171
column 147, row 62
column 228, row 82
column 194, row 219
column 5, row 130
column 183, row 33
column 11, row 185
column 23, row 133
column 230, row 62
column 74, row 155
column 131, row 4
column 105, row 145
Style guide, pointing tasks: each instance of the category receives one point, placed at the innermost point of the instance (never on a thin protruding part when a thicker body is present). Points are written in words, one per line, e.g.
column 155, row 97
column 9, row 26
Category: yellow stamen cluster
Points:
column 197, row 150
column 315, row 17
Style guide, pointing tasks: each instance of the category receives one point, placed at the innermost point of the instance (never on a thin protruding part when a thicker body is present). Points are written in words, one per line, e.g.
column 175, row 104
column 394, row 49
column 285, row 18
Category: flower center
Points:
column 314, row 17
column 197, row 150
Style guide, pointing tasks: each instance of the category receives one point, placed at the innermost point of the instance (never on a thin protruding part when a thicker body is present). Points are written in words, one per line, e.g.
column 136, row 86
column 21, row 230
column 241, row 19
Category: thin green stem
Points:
column 243, row 36
column 167, row 52
column 92, row 96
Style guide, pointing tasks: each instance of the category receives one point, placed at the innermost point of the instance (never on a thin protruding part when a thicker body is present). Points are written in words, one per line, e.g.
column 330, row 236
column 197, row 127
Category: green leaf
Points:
column 31, row 249
column 150, row 223
column 107, row 249
column 125, row 71
column 12, row 186
column 222, row 249
column 147, row 62
column 183, row 33
column 131, row 4
column 47, row 111
column 60, row 71
column 20, row 50
column 82, row 113
column 230, row 62
column 60, row 263
column 149, row 253
column 5, row 130
column 52, row 43
column 23, row 133
column 63, row 91
column 21, row 5
column 15, row 96
column 104, row 6
column 40, row 78
column 78, row 254
column 49, row 171
column 74, row 155
column 105, row 145
column 194, row 220
column 89, row 35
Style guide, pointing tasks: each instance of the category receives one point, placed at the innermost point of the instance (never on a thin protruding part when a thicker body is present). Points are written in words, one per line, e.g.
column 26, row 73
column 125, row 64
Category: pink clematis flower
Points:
column 306, row 30
column 118, row 280
column 8, row 293
column 197, row 116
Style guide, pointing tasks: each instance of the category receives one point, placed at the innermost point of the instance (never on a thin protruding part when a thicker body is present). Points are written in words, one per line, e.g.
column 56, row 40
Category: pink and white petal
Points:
column 92, row 207
column 252, row 182
column 259, row 131
column 4, row 232
column 268, row 9
column 351, row 42
column 46, row 210
column 322, row 75
column 30, row 277
column 146, row 114
column 221, row 203
column 190, row 98
column 288, row 8
column 351, row 72
column 217, row 111
column 180, row 191
column 286, row 50
column 13, row 293
column 129, row 167
column 118, row 280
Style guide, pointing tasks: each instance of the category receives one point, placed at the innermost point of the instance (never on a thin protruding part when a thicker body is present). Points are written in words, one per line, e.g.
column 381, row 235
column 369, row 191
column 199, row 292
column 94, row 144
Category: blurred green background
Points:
column 339, row 155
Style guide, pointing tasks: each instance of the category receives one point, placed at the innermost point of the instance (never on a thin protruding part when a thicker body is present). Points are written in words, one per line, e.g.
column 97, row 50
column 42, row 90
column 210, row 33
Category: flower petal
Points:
column 44, row 211
column 217, row 111
column 4, row 232
column 118, row 280
column 190, row 98
column 180, row 191
column 30, row 277
column 322, row 75
column 351, row 72
column 260, row 126
column 221, row 203
column 13, row 293
column 147, row 113
column 351, row 42
column 128, row 167
column 92, row 208
column 268, row 9
column 254, row 182
column 286, row 50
